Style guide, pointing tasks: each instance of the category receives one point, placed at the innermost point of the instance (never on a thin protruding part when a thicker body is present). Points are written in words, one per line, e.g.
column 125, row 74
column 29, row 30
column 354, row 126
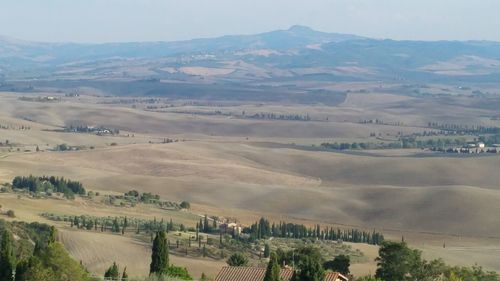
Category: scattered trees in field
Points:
column 116, row 224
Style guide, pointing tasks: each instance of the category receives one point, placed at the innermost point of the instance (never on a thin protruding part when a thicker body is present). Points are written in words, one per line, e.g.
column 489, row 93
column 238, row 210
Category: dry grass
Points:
column 223, row 173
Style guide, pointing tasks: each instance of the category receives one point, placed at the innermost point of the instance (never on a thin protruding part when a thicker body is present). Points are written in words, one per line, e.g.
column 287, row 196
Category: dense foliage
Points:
column 340, row 263
column 49, row 184
column 397, row 262
column 47, row 260
column 273, row 269
column 237, row 259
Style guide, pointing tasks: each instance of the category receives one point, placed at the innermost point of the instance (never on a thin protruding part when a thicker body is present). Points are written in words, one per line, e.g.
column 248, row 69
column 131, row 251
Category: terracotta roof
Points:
column 334, row 276
column 240, row 273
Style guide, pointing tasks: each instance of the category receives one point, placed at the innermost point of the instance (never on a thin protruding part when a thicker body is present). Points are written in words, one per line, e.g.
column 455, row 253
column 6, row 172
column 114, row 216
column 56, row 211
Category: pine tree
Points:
column 159, row 257
column 7, row 263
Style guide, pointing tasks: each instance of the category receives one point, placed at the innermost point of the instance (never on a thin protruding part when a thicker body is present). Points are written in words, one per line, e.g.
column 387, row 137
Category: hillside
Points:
column 296, row 54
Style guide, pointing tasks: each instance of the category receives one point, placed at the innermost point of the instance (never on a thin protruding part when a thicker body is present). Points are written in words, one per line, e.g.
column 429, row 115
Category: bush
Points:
column 237, row 259
column 178, row 272
column 11, row 214
column 185, row 205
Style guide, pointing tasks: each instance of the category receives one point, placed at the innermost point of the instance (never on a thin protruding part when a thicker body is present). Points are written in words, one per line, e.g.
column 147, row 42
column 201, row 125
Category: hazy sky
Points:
column 167, row 20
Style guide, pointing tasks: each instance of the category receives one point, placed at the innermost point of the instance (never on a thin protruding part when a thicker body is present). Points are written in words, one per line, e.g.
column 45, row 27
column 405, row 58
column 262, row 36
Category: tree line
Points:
column 464, row 129
column 119, row 225
column 403, row 142
column 264, row 229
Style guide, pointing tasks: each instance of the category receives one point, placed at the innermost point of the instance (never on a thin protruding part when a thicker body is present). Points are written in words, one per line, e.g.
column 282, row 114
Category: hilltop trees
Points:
column 159, row 257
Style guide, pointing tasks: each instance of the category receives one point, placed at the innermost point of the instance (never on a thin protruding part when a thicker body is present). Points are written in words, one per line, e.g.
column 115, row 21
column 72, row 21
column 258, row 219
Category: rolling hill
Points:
column 299, row 53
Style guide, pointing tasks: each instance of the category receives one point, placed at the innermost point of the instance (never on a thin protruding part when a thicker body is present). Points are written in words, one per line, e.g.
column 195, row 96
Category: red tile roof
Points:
column 334, row 276
column 240, row 273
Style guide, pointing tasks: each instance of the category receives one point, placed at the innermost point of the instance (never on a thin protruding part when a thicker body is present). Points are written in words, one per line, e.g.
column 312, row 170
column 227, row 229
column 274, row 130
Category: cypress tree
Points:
column 273, row 269
column 7, row 263
column 267, row 250
column 159, row 257
column 125, row 274
column 206, row 225
column 112, row 272
column 197, row 231
column 52, row 235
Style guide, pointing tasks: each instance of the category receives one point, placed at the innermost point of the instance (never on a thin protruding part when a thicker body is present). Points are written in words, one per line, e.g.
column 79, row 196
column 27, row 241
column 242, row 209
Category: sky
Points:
column 94, row 21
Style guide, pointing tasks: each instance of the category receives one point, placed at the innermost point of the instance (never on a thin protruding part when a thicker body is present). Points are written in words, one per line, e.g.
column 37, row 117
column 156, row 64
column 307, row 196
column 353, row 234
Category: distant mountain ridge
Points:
column 295, row 37
column 295, row 53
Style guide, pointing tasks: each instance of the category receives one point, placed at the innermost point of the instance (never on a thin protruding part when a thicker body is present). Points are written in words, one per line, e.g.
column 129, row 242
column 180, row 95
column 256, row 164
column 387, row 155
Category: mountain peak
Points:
column 300, row 28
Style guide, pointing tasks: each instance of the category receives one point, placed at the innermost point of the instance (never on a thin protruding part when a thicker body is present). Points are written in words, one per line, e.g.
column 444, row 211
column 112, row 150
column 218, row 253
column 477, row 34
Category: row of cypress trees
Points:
column 263, row 229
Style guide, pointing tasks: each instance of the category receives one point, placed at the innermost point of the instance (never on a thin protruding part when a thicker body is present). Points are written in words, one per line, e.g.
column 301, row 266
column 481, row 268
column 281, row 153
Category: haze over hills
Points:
column 296, row 125
column 296, row 53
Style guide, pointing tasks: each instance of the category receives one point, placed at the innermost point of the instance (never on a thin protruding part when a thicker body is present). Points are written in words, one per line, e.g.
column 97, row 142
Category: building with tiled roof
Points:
column 334, row 276
column 241, row 273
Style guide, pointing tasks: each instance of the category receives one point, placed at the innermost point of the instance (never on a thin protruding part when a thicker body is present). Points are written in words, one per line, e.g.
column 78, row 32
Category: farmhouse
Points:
column 233, row 273
column 231, row 228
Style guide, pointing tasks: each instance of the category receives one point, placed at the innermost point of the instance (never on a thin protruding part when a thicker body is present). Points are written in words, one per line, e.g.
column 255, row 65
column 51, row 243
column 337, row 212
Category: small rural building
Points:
column 242, row 273
column 231, row 228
